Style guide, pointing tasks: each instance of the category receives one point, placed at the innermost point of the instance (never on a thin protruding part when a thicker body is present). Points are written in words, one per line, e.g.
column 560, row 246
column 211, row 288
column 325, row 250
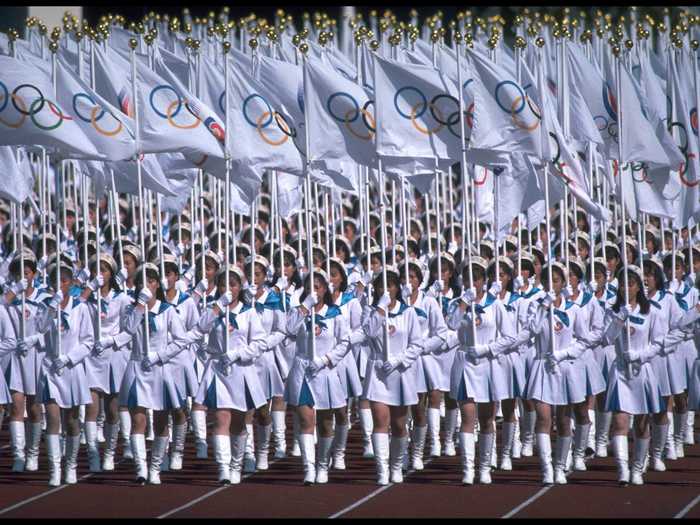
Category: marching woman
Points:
column 268, row 305
column 182, row 367
column 558, row 378
column 666, row 370
column 131, row 255
column 313, row 385
column 107, row 362
column 436, row 360
column 477, row 379
column 443, row 288
column 22, row 366
column 633, row 388
column 391, row 381
column 351, row 310
column 63, row 386
column 146, row 384
column 231, row 384
column 8, row 345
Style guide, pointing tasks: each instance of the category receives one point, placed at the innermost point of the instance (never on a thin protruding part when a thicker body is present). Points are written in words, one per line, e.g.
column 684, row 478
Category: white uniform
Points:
column 237, row 387
column 685, row 354
column 69, row 387
column 182, row 366
column 153, row 388
column 8, row 345
column 324, row 391
column 592, row 320
column 399, row 388
column 512, row 361
column 436, row 359
column 105, row 372
column 351, row 310
column 269, row 309
column 669, row 369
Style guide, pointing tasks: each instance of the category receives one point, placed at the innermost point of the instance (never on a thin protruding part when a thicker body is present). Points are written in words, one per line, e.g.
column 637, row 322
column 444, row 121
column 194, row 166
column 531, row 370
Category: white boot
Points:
column 323, row 459
column 517, row 447
column 249, row 456
column 199, row 427
column 32, row 457
column 237, row 452
column 680, row 423
column 178, row 446
column 485, row 451
column 125, row 428
column 150, row 436
column 641, row 447
column 419, row 434
column 466, row 448
column 527, row 433
column 562, row 448
column 450, row 426
column 138, row 448
column 670, row 450
column 222, row 455
column 279, row 427
column 92, row 447
column 308, row 457
column 544, row 447
column 658, row 443
column 367, row 425
column 581, row 433
column 72, row 447
column 397, row 451
column 434, row 431
column 262, row 446
column 18, row 443
column 620, row 449
column 590, row 443
column 340, row 441
column 53, row 451
column 296, row 448
column 603, row 420
column 111, row 433
column 157, row 455
column 508, row 431
column 380, row 444
column 689, row 437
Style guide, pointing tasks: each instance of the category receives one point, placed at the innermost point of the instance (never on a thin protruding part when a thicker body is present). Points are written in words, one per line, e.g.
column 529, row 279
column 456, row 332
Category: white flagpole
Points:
column 53, row 47
column 226, row 47
column 98, row 292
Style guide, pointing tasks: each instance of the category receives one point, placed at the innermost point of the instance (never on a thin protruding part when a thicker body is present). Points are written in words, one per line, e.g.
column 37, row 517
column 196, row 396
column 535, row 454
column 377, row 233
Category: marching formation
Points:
column 360, row 248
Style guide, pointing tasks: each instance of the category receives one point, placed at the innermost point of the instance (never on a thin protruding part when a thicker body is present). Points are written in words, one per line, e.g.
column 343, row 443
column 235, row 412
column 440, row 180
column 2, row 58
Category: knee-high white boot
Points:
column 680, row 423
column 419, row 434
column 32, row 461
column 237, row 452
column 590, row 442
column 689, row 437
column 138, row 449
column 92, row 447
column 17, row 440
column 249, row 456
column 508, row 431
column 157, row 455
column 125, row 427
column 199, row 427
column 467, row 449
column 308, row 457
column 263, row 433
column 603, row 420
column 279, row 427
column 323, row 459
column 434, row 431
column 380, row 444
column 222, row 455
column 178, row 446
column 367, row 424
column 658, row 444
column 641, row 447
column 485, row 450
column 450, row 427
column 111, row 433
column 544, row 447
column 670, row 441
column 563, row 446
column 621, row 451
column 296, row 431
column 340, row 440
column 397, row 451
column 72, row 447
column 581, row 433
column 53, row 451
column 527, row 432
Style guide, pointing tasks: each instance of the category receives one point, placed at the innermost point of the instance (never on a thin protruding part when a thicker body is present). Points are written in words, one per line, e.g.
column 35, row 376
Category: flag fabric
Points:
column 17, row 180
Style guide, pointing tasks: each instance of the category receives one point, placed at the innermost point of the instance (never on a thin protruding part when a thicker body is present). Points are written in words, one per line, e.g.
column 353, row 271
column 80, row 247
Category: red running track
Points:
column 279, row 493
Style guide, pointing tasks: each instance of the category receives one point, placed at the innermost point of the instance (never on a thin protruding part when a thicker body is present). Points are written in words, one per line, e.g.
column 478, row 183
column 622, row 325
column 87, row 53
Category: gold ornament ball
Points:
column 629, row 44
column 374, row 45
column 253, row 43
column 304, row 48
column 53, row 46
column 694, row 44
column 539, row 42
column 133, row 43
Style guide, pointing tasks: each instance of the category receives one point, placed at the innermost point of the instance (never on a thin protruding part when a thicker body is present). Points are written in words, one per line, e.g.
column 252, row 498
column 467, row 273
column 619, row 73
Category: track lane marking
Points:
column 527, row 502
column 687, row 508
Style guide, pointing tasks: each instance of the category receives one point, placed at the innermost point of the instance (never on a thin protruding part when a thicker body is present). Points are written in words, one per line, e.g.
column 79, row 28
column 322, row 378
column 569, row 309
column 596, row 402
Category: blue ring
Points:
column 7, row 96
column 31, row 105
column 343, row 94
column 75, row 107
column 245, row 112
column 179, row 101
column 418, row 114
column 522, row 97
column 606, row 102
column 605, row 122
column 221, row 101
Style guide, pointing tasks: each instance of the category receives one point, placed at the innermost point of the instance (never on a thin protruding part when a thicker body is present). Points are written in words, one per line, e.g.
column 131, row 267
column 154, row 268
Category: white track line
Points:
column 527, row 502
column 687, row 508
column 369, row 496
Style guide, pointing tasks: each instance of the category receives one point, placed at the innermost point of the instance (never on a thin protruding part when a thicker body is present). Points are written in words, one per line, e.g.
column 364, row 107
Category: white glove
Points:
column 452, row 247
column 496, row 288
column 251, row 291
column 145, row 296
column 188, row 276
column 225, row 300
column 149, row 360
column 406, row 291
column 389, row 366
column 291, row 289
column 220, row 254
column 19, row 287
column 181, row 285
column 97, row 283
column 437, row 287
column 560, row 355
column 164, row 284
column 98, row 349
column 300, row 263
column 202, row 287
column 477, row 351
column 231, row 357
column 121, row 277
column 632, row 356
column 310, row 301
column 331, row 288
column 43, row 262
column 82, row 276
column 282, row 283
column 384, row 301
column 315, row 366
column 106, row 341
column 469, row 296
column 56, row 300
column 366, row 278
column 519, row 282
column 623, row 314
column 59, row 364
column 567, row 292
column 179, row 250
column 548, row 299
column 269, row 274
column 31, row 340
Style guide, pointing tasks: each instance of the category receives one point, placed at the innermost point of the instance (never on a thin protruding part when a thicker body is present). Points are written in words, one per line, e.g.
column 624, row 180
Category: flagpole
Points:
column 133, row 43
column 226, row 48
column 463, row 169
column 304, row 48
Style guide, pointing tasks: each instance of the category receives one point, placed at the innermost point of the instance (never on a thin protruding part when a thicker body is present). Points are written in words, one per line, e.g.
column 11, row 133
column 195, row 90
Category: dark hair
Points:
column 65, row 272
column 452, row 284
column 477, row 273
column 576, row 270
column 344, row 283
column 288, row 259
column 656, row 272
column 28, row 263
column 326, row 299
column 113, row 278
column 545, row 275
column 642, row 300
column 506, row 269
column 402, row 272
column 221, row 280
column 378, row 286
column 150, row 274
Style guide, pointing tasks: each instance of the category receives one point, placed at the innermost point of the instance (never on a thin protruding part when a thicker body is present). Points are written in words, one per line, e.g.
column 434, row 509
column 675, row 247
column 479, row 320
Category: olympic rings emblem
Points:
column 412, row 104
column 266, row 118
column 31, row 110
column 344, row 108
column 481, row 182
column 516, row 103
column 83, row 102
column 167, row 103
